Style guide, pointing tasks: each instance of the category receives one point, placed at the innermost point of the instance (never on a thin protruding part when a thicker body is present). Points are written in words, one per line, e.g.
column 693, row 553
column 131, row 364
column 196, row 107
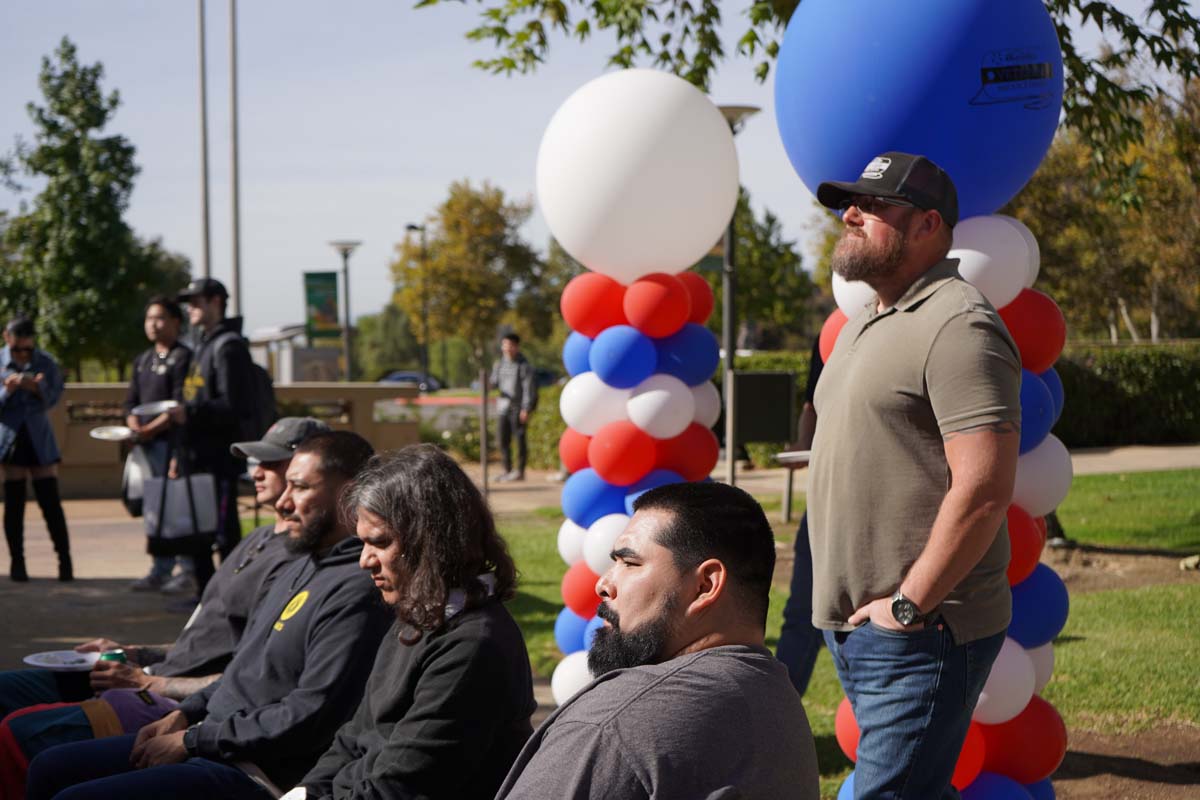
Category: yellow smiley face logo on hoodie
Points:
column 294, row 605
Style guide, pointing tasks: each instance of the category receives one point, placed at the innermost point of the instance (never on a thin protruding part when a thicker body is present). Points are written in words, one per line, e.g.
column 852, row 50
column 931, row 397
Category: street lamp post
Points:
column 346, row 247
column 735, row 116
column 414, row 228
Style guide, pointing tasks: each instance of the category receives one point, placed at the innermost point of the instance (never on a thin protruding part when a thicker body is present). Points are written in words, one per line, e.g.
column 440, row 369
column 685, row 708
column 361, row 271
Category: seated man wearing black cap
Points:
column 912, row 471
column 217, row 398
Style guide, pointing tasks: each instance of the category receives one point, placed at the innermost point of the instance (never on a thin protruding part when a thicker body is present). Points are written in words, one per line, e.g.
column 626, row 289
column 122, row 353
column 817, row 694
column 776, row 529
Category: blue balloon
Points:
column 589, row 633
column 569, row 629
column 1042, row 790
column 575, row 353
column 991, row 786
column 1039, row 608
column 691, row 354
column 1037, row 410
column 1054, row 384
column 586, row 497
column 622, row 356
column 975, row 85
column 654, row 478
column 847, row 790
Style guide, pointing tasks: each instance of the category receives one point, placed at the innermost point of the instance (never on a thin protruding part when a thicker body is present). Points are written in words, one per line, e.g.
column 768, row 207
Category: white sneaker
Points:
column 183, row 583
column 150, row 583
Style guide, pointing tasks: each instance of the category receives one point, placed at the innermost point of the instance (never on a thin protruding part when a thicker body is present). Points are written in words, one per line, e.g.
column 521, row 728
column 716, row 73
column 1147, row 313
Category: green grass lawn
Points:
column 1158, row 510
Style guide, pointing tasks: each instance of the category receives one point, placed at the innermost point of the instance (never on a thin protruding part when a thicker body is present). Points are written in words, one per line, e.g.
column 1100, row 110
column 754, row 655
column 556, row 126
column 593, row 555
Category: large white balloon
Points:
column 851, row 296
column 1043, row 665
column 598, row 544
column 1009, row 686
column 662, row 405
column 1043, row 477
column 992, row 255
column 570, row 676
column 570, row 542
column 708, row 404
column 637, row 173
column 587, row 403
column 1035, row 252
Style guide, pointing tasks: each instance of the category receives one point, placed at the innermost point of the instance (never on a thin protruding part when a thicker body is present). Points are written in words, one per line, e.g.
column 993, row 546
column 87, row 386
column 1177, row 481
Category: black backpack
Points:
column 262, row 394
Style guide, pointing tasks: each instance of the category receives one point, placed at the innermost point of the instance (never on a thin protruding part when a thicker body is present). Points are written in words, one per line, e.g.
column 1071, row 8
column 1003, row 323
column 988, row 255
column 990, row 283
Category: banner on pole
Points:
column 321, row 305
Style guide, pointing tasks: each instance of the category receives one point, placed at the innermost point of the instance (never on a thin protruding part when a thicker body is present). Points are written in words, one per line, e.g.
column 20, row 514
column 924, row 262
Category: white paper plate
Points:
column 63, row 660
column 111, row 433
column 155, row 408
column 794, row 457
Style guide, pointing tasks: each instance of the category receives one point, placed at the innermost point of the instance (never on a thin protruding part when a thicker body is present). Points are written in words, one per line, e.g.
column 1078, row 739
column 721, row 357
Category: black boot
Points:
column 46, row 492
column 14, row 527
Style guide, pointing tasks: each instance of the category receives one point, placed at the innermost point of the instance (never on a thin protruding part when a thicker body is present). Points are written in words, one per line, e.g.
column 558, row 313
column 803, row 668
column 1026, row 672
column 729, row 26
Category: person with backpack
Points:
column 219, row 407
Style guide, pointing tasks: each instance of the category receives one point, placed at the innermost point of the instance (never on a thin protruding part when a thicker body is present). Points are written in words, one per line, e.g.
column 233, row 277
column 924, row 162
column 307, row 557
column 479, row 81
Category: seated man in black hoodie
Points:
column 296, row 677
column 447, row 706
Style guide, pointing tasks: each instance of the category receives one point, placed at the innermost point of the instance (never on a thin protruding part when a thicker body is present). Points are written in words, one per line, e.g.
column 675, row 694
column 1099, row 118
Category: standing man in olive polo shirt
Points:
column 912, row 470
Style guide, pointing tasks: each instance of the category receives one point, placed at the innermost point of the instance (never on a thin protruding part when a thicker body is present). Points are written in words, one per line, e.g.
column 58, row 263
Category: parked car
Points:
column 427, row 383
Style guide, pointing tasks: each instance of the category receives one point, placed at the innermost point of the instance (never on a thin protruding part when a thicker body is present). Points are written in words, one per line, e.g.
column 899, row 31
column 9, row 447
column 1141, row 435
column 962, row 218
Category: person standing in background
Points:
column 512, row 375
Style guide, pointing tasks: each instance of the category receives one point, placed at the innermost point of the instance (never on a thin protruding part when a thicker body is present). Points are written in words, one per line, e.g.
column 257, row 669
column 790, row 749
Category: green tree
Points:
column 77, row 268
column 384, row 342
column 683, row 36
column 476, row 270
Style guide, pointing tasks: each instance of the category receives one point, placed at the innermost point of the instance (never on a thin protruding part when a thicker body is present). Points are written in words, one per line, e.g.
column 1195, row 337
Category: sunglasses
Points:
column 874, row 206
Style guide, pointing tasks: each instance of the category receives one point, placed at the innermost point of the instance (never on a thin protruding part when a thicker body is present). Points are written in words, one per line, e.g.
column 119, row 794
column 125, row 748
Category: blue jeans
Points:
column 799, row 641
column 100, row 769
column 913, row 695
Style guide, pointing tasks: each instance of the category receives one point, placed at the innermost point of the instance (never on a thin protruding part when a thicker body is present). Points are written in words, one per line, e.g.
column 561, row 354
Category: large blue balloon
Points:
column 589, row 633
column 575, row 353
column 653, row 479
column 586, row 497
column 1042, row 790
column 1037, row 410
column 568, row 631
column 975, row 85
column 991, row 786
column 622, row 356
column 847, row 790
column 1039, row 608
column 1054, row 384
column 691, row 354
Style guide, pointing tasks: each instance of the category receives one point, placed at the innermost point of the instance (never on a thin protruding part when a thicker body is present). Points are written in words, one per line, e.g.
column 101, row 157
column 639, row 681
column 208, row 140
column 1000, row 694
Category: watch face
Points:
column 904, row 611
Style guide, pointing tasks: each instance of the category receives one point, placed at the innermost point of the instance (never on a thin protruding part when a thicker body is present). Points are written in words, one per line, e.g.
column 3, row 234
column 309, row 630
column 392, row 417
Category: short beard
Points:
column 311, row 533
column 613, row 648
column 860, row 264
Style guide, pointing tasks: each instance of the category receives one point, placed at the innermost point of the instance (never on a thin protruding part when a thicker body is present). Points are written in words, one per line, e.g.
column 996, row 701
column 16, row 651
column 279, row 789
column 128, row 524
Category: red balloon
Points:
column 622, row 453
column 1040, row 522
column 1025, row 542
column 701, row 295
column 572, row 450
column 1037, row 326
column 1029, row 747
column 970, row 759
column 829, row 332
column 692, row 454
column 579, row 590
column 591, row 302
column 845, row 728
column 657, row 305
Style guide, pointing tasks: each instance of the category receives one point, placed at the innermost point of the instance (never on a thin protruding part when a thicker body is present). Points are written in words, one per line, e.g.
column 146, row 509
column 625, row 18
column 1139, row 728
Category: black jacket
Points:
column 218, row 394
column 445, row 717
column 299, row 670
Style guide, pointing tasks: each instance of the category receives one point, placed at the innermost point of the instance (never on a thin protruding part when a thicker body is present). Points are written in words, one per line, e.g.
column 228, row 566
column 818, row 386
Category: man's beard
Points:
column 311, row 533
column 613, row 648
column 864, row 261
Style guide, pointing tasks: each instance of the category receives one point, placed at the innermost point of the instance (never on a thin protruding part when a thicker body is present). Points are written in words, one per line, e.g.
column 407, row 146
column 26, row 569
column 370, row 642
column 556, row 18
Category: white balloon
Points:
column 587, row 403
column 708, row 404
column 1043, row 477
column 570, row 542
column 1035, row 252
column 851, row 296
column 570, row 676
column 662, row 405
column 1043, row 665
column 992, row 255
column 637, row 173
column 598, row 544
column 1009, row 686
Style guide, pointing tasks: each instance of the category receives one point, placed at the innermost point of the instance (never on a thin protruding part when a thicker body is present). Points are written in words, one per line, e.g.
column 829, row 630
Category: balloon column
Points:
column 977, row 88
column 637, row 176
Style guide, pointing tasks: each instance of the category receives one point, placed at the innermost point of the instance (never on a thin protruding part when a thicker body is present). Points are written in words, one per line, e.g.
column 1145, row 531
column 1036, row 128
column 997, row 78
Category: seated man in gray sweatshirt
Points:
column 687, row 702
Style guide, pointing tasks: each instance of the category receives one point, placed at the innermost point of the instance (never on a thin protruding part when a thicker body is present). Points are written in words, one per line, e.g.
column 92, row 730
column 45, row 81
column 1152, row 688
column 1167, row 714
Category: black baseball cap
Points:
column 202, row 287
column 280, row 440
column 900, row 176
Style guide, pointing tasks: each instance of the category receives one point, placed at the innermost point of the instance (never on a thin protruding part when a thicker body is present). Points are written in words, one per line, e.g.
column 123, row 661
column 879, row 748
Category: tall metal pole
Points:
column 205, row 243
column 728, row 286
column 347, row 352
column 424, row 309
column 236, row 288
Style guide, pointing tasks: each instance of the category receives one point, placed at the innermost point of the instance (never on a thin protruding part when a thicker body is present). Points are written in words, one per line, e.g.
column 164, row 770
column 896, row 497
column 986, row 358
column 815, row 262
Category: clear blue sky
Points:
column 354, row 119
